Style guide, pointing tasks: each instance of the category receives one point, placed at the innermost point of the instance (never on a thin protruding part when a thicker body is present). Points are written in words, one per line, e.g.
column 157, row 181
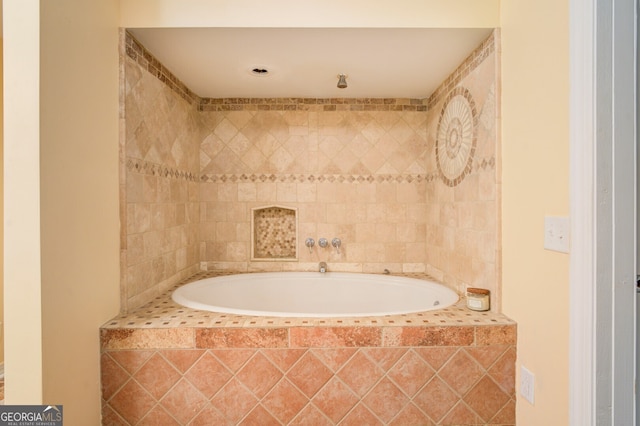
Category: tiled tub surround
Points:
column 356, row 175
column 160, row 210
column 169, row 365
column 463, row 216
column 362, row 170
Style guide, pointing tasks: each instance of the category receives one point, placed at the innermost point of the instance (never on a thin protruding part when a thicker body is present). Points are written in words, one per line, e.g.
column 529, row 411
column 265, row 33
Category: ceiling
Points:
column 305, row 62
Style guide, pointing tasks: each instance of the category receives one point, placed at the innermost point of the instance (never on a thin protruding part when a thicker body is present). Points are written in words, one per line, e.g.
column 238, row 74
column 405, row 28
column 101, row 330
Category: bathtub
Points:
column 314, row 294
column 450, row 366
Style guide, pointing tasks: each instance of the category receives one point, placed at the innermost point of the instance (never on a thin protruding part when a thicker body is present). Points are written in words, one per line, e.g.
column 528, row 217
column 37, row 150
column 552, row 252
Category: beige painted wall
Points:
column 535, row 183
column 1, row 210
column 61, row 99
column 297, row 14
column 23, row 320
column 79, row 197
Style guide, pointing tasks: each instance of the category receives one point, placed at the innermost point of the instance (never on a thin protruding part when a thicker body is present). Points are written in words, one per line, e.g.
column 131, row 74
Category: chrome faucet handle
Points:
column 322, row 242
column 309, row 242
column 336, row 243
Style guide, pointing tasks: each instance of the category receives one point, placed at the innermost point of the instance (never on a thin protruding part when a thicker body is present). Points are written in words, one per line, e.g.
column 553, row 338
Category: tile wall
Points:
column 160, row 212
column 363, row 170
column 354, row 169
column 463, row 216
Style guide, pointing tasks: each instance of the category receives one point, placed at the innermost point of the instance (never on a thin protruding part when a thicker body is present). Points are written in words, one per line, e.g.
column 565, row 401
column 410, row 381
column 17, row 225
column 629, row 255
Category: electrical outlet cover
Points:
column 527, row 384
column 556, row 233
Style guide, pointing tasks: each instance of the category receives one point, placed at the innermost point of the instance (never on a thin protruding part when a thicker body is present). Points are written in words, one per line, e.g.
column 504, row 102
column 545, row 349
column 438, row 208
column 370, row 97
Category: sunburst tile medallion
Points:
column 456, row 136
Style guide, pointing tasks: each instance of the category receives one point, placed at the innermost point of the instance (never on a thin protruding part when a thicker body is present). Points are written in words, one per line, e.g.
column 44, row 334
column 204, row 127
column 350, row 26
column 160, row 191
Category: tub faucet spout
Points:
column 323, row 267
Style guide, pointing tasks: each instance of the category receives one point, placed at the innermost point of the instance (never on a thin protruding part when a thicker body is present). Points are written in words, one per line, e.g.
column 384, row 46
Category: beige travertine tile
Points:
column 266, row 191
column 415, row 258
column 145, row 338
column 306, row 192
column 363, row 170
column 285, row 192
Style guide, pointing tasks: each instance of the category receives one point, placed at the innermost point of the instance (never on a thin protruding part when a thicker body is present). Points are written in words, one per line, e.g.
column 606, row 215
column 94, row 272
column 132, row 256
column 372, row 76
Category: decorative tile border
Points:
column 457, row 138
column 478, row 164
column 476, row 57
column 157, row 170
column 301, row 178
column 152, row 169
column 484, row 164
column 136, row 51
column 311, row 104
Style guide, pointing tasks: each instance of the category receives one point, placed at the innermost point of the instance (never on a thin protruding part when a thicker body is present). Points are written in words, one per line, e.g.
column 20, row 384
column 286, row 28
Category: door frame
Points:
column 603, row 212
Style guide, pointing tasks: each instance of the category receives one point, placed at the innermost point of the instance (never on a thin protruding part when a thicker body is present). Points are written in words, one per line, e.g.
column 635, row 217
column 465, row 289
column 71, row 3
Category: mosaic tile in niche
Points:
column 274, row 233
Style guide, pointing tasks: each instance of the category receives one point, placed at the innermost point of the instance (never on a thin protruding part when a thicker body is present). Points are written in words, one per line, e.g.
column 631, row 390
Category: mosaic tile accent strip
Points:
column 311, row 104
column 136, row 51
column 456, row 136
column 476, row 57
column 151, row 169
column 484, row 164
column 302, row 178
column 274, row 233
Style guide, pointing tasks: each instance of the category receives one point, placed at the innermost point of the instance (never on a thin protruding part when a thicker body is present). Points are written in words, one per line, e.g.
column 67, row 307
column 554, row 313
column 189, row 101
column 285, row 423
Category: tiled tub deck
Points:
column 169, row 365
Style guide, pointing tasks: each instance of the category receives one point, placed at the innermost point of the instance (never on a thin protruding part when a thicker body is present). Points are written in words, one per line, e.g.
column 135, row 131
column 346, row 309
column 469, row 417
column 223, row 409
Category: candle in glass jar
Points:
column 478, row 299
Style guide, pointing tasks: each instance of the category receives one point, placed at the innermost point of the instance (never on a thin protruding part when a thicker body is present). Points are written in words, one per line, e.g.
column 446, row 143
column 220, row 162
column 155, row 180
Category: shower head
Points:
column 342, row 81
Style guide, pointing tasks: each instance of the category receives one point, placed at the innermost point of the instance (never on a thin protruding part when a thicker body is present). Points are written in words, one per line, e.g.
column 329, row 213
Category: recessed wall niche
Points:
column 273, row 233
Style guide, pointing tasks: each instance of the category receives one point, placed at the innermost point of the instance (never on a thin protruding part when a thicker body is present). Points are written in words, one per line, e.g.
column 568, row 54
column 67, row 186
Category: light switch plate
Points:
column 556, row 233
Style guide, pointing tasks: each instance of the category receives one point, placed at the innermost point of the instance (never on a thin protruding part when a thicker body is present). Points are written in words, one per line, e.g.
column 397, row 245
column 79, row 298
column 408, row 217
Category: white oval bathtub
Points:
column 313, row 294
